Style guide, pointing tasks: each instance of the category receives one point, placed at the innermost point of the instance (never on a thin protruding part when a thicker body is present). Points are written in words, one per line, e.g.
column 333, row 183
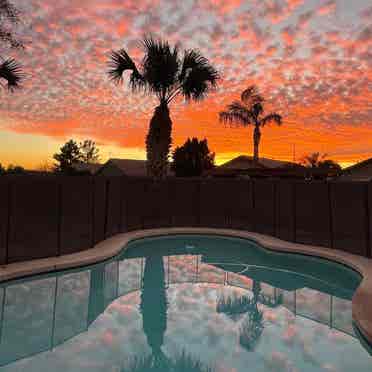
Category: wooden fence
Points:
column 51, row 216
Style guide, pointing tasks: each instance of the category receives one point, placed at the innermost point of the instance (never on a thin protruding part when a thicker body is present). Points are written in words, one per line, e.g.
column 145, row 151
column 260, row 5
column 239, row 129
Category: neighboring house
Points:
column 123, row 167
column 358, row 172
column 246, row 162
column 243, row 166
column 84, row 167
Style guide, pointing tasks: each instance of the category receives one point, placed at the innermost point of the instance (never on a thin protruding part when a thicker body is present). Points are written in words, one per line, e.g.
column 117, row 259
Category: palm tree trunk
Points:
column 256, row 142
column 158, row 142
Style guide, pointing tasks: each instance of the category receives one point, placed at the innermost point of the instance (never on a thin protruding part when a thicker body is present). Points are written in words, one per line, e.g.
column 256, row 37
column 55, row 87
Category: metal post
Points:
column 54, row 312
column 2, row 315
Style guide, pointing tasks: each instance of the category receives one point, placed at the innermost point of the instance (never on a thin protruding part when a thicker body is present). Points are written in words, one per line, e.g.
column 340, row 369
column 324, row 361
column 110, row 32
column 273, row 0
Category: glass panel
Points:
column 314, row 305
column 27, row 319
column 111, row 281
column 130, row 275
column 239, row 280
column 342, row 315
column 182, row 268
column 209, row 273
column 71, row 317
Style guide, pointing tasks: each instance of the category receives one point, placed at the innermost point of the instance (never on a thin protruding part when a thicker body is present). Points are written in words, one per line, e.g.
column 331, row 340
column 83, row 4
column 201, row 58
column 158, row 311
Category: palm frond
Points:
column 236, row 113
column 160, row 65
column 191, row 59
column 251, row 96
column 197, row 75
column 234, row 118
column 120, row 61
column 11, row 71
column 272, row 118
column 8, row 10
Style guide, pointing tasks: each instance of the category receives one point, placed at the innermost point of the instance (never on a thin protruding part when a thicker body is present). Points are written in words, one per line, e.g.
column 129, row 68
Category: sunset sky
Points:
column 311, row 59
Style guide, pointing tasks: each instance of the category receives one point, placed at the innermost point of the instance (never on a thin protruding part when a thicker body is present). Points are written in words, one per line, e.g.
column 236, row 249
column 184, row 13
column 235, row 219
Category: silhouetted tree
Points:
column 69, row 155
column 10, row 70
column 167, row 75
column 89, row 152
column 15, row 169
column 318, row 160
column 2, row 170
column 249, row 111
column 192, row 158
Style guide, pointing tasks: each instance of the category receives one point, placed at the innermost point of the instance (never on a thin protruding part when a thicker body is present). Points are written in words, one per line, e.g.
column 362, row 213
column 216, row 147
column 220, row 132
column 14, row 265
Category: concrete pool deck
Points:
column 361, row 302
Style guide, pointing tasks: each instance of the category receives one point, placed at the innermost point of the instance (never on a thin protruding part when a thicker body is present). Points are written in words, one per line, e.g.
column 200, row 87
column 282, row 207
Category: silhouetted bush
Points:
column 192, row 158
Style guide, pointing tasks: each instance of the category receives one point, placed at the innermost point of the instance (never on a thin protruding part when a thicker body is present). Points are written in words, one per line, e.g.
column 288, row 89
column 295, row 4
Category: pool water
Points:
column 185, row 303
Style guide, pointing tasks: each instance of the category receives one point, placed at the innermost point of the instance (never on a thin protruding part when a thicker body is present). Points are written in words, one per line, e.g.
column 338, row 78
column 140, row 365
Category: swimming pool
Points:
column 184, row 303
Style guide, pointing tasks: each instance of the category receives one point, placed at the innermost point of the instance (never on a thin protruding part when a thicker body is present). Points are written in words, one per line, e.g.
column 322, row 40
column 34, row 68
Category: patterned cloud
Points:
column 311, row 59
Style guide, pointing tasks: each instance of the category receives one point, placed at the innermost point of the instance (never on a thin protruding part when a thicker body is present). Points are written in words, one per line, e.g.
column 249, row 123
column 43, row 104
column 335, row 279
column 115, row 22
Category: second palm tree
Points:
column 249, row 111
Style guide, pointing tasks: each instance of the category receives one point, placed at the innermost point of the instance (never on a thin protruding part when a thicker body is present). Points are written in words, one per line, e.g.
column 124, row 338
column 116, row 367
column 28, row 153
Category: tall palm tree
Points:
column 249, row 111
column 10, row 70
column 164, row 73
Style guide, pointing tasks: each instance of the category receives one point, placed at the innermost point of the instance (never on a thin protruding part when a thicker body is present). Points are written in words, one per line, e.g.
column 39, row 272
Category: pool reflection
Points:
column 45, row 311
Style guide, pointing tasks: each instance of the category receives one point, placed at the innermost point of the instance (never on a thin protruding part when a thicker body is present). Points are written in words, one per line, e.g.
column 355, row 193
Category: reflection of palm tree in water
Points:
column 154, row 318
column 252, row 325
column 154, row 308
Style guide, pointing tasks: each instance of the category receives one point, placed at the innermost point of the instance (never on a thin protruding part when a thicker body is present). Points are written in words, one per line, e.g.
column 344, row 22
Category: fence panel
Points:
column 99, row 209
column 157, row 204
column 213, row 194
column 135, row 203
column 4, row 214
column 113, row 206
column 369, row 227
column 185, row 202
column 239, row 204
column 349, row 217
column 34, row 220
column 76, row 214
column 264, row 206
column 312, row 213
column 285, row 211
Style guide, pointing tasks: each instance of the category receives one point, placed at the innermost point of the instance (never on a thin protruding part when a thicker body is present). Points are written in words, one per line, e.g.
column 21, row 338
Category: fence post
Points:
column 253, row 205
column 368, row 205
column 107, row 184
column 330, row 207
column 9, row 207
column 198, row 202
column 294, row 196
column 93, row 194
column 275, row 208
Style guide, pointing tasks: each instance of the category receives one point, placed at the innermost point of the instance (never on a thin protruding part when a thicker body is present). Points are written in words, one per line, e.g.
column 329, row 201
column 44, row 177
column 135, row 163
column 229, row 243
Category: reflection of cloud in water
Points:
column 288, row 342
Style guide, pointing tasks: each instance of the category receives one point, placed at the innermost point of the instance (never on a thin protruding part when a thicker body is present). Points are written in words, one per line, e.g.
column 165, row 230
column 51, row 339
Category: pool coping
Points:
column 361, row 301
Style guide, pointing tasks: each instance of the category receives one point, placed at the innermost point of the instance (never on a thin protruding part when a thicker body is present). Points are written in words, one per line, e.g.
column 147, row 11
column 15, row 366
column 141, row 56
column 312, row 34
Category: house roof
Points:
column 358, row 166
column 91, row 168
column 130, row 167
column 246, row 162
